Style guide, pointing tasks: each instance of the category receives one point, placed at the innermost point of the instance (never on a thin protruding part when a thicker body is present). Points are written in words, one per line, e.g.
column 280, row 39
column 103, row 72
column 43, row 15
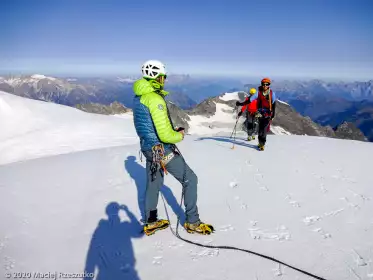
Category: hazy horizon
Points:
column 243, row 79
column 316, row 39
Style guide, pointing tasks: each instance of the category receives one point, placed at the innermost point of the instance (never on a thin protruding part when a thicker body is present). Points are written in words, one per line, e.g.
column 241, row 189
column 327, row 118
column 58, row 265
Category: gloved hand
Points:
column 238, row 103
column 182, row 133
column 258, row 115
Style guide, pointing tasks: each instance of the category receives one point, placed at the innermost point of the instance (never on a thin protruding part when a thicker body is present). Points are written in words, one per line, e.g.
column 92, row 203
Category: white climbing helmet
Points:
column 152, row 69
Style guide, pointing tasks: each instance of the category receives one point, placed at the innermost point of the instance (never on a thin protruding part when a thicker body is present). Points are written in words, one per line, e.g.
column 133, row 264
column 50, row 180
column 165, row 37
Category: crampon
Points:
column 199, row 227
column 151, row 228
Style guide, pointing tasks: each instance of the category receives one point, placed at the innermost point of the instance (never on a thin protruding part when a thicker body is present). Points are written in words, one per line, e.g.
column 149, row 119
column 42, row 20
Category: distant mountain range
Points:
column 353, row 91
column 359, row 113
column 74, row 91
column 325, row 103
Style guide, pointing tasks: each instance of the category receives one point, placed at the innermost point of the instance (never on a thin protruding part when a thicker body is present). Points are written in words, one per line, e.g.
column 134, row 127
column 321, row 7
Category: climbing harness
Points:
column 160, row 160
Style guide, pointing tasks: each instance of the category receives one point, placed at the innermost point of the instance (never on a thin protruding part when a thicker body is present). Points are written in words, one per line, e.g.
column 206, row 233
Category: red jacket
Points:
column 252, row 107
column 264, row 102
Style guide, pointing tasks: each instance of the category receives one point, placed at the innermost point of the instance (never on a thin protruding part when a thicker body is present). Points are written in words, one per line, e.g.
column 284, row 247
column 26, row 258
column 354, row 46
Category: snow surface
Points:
column 306, row 201
column 278, row 130
column 236, row 95
column 40, row 77
column 31, row 129
column 222, row 121
column 229, row 96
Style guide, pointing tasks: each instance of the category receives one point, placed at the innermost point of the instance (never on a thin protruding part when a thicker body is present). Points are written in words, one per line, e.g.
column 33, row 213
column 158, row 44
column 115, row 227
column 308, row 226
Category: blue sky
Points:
column 304, row 38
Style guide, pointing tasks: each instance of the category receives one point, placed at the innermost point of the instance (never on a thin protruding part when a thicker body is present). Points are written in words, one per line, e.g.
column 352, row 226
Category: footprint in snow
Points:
column 311, row 220
column 157, row 260
column 355, row 206
column 323, row 189
column 248, row 163
column 363, row 197
column 227, row 228
column 264, row 188
column 324, row 234
column 253, row 223
column 320, row 177
column 3, row 243
column 233, row 185
column 25, row 221
column 280, row 234
column 159, row 245
column 294, row 203
column 175, row 245
column 244, row 206
column 333, row 213
column 9, row 263
column 203, row 253
column 259, row 175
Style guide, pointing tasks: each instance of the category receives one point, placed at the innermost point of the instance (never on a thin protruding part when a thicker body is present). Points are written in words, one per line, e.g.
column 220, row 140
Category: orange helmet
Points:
column 266, row 80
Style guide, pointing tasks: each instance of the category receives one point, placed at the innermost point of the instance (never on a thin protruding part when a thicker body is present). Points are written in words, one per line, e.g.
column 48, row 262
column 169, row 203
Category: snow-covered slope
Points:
column 304, row 201
column 223, row 120
column 30, row 129
column 228, row 96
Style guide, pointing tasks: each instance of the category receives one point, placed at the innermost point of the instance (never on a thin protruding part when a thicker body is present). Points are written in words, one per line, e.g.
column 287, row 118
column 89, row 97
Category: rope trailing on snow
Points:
column 223, row 247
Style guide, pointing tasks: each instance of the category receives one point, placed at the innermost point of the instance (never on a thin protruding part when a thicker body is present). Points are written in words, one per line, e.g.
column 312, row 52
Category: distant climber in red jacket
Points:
column 250, row 109
column 266, row 108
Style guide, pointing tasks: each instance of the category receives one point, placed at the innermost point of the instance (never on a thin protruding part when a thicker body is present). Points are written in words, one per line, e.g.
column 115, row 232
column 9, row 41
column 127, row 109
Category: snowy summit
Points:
column 72, row 186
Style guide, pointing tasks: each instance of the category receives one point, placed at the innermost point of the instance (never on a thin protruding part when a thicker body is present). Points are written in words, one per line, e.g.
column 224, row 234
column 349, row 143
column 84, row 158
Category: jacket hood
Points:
column 142, row 87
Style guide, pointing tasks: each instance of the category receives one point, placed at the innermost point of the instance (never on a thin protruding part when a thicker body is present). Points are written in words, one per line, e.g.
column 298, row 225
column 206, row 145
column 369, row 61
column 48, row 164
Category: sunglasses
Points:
column 265, row 84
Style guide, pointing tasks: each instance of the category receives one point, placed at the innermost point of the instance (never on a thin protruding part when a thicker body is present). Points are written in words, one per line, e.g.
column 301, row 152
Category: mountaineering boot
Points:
column 261, row 147
column 249, row 138
column 199, row 227
column 151, row 228
column 154, row 224
column 253, row 137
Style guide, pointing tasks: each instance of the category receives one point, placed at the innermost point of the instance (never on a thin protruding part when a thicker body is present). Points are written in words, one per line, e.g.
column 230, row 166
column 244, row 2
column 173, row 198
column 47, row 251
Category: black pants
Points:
column 263, row 130
column 251, row 124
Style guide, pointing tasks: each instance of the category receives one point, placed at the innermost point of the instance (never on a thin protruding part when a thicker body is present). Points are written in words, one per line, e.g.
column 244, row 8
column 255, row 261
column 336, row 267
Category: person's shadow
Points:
column 229, row 140
column 110, row 254
column 138, row 174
